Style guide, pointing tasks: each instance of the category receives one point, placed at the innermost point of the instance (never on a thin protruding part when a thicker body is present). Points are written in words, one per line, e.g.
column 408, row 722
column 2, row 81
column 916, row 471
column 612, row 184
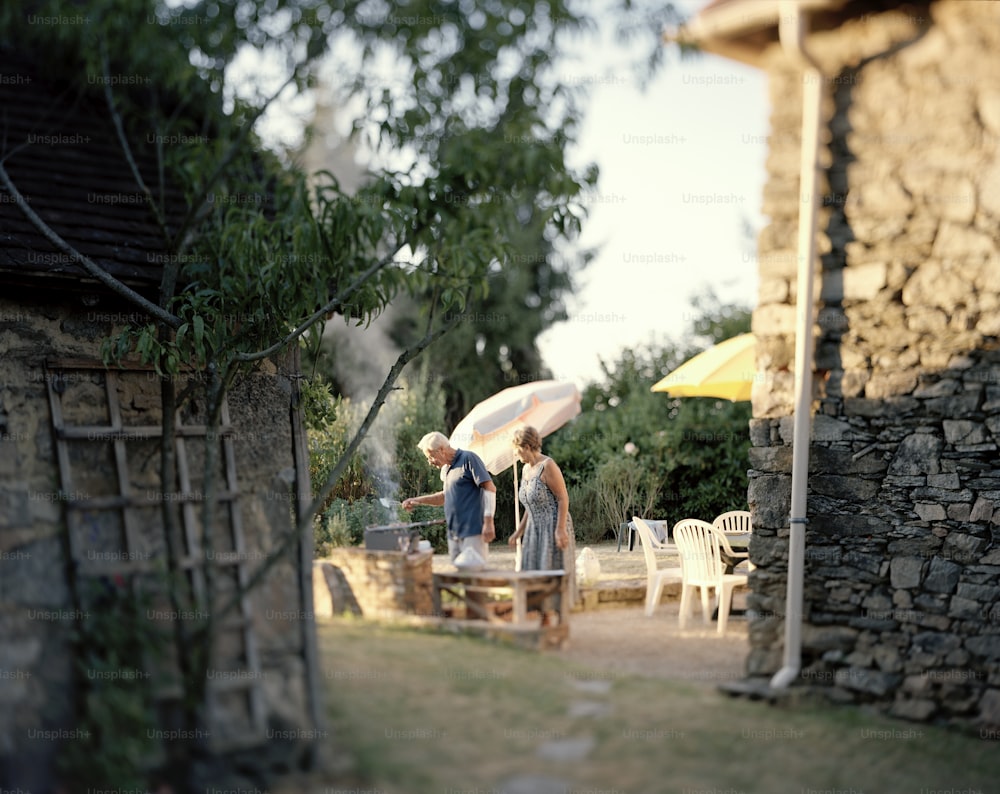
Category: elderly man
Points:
column 469, row 495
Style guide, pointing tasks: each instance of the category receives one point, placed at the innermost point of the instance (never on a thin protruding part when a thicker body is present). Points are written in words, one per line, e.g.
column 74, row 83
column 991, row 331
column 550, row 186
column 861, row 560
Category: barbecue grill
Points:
column 396, row 537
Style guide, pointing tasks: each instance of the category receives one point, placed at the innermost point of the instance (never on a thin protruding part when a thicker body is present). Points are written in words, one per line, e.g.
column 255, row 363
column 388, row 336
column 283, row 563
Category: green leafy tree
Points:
column 257, row 257
column 495, row 344
column 421, row 409
column 632, row 449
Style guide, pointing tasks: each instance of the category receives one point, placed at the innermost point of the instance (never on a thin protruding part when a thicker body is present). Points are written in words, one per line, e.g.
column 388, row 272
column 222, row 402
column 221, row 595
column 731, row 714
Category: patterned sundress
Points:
column 539, row 551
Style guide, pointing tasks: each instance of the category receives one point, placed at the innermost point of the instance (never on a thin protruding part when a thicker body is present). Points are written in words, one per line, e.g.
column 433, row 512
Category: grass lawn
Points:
column 427, row 713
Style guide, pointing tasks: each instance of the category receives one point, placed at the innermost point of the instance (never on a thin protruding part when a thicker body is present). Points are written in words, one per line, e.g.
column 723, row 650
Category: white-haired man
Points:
column 468, row 495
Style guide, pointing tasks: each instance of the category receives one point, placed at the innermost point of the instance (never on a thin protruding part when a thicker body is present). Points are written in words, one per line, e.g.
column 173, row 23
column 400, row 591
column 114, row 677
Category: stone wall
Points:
column 903, row 541
column 37, row 610
column 374, row 583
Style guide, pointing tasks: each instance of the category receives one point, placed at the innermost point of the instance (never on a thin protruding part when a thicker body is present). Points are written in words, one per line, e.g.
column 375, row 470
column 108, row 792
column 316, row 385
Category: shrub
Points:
column 327, row 442
column 116, row 647
column 436, row 534
column 419, row 410
column 332, row 532
column 585, row 508
column 689, row 456
column 624, row 489
column 343, row 523
column 388, row 463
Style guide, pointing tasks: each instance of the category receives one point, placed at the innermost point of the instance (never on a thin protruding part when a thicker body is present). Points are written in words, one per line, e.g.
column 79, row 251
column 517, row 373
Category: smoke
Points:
column 362, row 357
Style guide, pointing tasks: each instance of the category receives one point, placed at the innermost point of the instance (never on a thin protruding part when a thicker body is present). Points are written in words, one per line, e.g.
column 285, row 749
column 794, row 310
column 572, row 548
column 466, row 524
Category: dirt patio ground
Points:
column 618, row 639
column 624, row 641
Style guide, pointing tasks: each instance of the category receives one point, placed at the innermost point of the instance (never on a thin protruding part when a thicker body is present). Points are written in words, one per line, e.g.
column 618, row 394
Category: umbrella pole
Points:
column 517, row 522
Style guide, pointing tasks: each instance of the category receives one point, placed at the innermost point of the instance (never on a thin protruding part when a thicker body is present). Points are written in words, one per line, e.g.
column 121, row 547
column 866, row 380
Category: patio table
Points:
column 627, row 531
column 738, row 542
column 517, row 585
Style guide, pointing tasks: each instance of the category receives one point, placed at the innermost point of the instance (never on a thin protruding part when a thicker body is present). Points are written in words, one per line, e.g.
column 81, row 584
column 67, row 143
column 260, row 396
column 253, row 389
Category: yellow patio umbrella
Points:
column 725, row 370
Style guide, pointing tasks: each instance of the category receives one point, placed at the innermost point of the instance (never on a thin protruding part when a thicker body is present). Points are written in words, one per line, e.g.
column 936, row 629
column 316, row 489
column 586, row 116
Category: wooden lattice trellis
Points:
column 107, row 454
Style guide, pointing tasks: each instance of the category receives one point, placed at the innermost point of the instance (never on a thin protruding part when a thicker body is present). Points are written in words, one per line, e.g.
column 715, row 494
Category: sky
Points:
column 678, row 208
column 678, row 204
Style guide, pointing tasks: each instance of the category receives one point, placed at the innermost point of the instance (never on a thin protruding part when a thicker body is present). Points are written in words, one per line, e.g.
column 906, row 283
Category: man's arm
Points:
column 430, row 499
column 489, row 496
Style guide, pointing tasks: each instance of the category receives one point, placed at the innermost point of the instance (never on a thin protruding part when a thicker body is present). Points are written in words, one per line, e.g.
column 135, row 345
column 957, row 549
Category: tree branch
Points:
column 171, row 268
column 86, row 263
column 316, row 316
column 227, row 158
column 306, row 518
column 116, row 119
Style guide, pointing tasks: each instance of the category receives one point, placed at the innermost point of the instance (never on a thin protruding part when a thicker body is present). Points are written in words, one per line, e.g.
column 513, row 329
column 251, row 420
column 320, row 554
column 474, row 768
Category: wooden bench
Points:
column 514, row 587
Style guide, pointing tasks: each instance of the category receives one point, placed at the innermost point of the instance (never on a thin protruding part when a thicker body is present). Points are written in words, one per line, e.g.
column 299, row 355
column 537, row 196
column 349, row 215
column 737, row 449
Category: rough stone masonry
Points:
column 902, row 588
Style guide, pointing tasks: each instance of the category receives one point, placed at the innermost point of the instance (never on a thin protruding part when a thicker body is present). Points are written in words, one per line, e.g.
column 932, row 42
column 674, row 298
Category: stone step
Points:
column 620, row 593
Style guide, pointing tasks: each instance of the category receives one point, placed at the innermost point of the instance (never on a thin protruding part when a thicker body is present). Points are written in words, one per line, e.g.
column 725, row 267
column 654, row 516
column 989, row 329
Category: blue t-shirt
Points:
column 463, row 500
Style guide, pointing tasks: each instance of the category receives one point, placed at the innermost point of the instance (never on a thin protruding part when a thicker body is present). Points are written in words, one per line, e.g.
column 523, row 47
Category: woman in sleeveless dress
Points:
column 545, row 529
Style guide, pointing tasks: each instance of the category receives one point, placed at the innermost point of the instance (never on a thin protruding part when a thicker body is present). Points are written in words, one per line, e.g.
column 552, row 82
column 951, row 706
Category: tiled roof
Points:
column 63, row 155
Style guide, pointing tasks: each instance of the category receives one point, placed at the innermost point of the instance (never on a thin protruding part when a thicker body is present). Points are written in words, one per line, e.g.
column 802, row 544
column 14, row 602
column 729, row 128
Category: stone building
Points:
column 901, row 604
column 81, row 524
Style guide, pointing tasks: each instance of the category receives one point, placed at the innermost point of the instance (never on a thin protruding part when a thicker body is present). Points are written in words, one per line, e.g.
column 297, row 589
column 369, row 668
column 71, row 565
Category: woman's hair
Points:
column 527, row 438
column 431, row 441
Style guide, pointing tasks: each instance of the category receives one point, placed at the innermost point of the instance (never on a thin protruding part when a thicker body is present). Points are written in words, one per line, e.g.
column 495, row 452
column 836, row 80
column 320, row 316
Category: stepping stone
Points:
column 598, row 687
column 574, row 749
column 589, row 708
column 534, row 784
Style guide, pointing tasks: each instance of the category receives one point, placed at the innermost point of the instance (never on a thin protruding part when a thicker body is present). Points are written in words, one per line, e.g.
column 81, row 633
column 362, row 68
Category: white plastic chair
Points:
column 656, row 577
column 735, row 522
column 700, row 545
